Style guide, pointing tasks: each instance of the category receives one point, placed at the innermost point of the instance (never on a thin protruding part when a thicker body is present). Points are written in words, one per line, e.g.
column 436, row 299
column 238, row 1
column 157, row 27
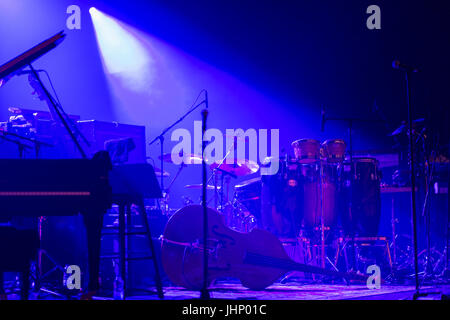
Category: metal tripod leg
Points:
column 158, row 282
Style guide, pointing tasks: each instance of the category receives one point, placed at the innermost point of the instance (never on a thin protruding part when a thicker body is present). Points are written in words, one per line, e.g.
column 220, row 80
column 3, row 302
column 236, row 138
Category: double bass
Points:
column 256, row 258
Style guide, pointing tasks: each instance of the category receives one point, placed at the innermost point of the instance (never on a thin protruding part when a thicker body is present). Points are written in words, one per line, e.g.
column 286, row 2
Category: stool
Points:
column 125, row 202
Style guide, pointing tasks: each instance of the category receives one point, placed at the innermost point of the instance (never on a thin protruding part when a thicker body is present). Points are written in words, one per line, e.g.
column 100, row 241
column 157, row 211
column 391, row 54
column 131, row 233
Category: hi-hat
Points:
column 200, row 186
column 158, row 172
column 188, row 158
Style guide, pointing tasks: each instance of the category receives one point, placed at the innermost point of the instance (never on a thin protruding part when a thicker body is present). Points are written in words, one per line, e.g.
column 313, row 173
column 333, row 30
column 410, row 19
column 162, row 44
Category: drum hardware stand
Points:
column 428, row 270
column 214, row 175
column 360, row 242
column 350, row 121
column 446, row 272
column 224, row 179
column 322, row 222
column 166, row 192
column 323, row 256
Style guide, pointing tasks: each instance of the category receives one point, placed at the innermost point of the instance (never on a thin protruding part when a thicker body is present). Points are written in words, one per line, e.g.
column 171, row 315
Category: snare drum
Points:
column 333, row 150
column 306, row 150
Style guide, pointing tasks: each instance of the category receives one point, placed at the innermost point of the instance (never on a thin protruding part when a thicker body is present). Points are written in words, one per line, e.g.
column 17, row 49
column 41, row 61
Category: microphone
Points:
column 324, row 119
column 400, row 66
column 206, row 99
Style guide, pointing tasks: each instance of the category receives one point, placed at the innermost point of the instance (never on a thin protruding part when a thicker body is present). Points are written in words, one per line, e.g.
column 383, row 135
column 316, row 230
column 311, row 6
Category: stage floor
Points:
column 233, row 290
column 298, row 291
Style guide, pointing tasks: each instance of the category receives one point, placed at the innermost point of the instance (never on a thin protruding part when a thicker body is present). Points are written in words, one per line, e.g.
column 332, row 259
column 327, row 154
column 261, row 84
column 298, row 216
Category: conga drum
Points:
column 333, row 151
column 364, row 218
column 311, row 185
column 306, row 150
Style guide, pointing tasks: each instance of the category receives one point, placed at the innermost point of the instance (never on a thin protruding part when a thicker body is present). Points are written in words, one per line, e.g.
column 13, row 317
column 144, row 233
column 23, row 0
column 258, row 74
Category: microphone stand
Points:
column 37, row 144
column 58, row 112
column 413, row 182
column 204, row 294
column 160, row 137
column 20, row 145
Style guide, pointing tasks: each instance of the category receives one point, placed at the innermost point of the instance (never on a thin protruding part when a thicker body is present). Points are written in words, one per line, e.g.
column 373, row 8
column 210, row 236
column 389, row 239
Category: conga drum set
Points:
column 321, row 192
column 336, row 188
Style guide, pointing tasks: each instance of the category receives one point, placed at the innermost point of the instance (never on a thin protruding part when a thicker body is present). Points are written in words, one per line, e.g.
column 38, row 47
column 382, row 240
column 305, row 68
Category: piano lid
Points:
column 30, row 55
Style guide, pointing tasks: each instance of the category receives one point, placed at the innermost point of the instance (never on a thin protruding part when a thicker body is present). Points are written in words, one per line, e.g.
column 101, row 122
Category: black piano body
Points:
column 60, row 187
column 53, row 187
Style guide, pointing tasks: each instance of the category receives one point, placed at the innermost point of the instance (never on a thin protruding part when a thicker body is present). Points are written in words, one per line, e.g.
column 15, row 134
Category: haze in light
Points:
column 153, row 83
column 122, row 54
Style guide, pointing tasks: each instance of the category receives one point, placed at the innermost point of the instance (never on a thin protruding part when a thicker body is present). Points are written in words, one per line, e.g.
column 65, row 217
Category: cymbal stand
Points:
column 167, row 191
column 428, row 270
column 214, row 175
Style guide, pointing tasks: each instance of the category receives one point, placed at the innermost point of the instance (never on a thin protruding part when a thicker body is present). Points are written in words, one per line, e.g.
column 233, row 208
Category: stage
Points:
column 257, row 150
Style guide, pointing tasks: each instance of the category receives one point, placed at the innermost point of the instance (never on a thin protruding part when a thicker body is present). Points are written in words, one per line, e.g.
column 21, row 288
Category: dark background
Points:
column 298, row 56
column 318, row 52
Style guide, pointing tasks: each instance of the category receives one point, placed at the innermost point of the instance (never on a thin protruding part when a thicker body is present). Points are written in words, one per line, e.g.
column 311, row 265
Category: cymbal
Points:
column 239, row 168
column 188, row 158
column 247, row 182
column 200, row 186
column 158, row 172
column 404, row 127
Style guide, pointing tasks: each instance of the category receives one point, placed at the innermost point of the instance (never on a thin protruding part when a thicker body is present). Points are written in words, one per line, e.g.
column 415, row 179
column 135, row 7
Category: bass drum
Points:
column 364, row 218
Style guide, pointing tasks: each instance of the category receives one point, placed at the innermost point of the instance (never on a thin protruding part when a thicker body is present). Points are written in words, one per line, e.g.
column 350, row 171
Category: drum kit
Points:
column 233, row 208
